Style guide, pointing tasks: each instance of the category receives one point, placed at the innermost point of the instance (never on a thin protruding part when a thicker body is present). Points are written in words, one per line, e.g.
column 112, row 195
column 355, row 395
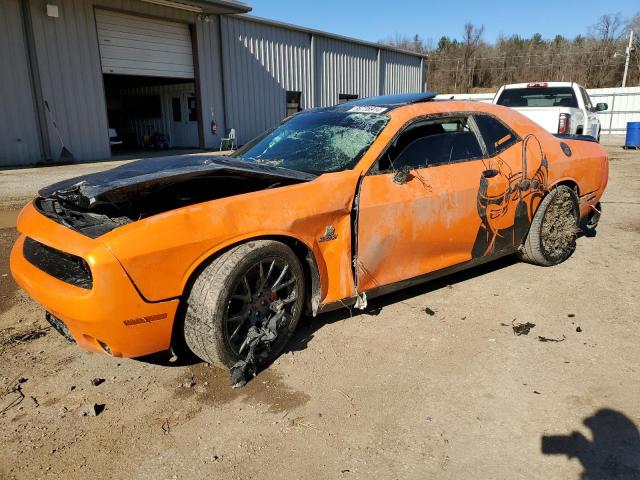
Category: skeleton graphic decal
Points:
column 507, row 200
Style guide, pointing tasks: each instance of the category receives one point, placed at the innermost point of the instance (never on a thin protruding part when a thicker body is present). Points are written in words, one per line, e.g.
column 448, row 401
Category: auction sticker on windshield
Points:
column 367, row 109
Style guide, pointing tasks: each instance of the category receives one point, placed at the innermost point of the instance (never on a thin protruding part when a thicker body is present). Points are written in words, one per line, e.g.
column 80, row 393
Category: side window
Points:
column 497, row 137
column 432, row 142
column 586, row 98
column 293, row 103
column 346, row 97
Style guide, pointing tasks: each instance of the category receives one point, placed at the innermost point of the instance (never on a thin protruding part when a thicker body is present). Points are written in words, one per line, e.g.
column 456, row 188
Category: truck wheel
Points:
column 552, row 235
column 244, row 287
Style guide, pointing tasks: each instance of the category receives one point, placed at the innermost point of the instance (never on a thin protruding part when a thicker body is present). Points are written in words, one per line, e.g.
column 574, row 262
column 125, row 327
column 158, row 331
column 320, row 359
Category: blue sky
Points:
column 375, row 19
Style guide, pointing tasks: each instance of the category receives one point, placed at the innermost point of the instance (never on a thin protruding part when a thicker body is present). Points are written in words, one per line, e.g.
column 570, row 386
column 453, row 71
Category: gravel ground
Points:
column 430, row 382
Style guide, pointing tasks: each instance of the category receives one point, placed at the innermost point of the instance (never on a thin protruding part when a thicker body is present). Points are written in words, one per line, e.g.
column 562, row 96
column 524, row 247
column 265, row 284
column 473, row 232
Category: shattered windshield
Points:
column 316, row 142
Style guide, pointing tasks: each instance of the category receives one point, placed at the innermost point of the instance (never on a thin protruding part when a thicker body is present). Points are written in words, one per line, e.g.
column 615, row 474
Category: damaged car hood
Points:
column 141, row 178
column 98, row 203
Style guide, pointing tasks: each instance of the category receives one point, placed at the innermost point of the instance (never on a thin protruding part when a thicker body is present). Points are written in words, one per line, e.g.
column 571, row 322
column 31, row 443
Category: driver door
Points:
column 428, row 220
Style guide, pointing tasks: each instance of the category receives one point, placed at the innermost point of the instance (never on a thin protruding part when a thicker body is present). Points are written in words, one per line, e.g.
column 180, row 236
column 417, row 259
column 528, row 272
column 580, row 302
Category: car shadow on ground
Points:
column 308, row 326
column 612, row 454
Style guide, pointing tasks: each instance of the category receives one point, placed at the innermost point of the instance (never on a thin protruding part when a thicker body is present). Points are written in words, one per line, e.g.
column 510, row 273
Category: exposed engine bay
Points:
column 98, row 203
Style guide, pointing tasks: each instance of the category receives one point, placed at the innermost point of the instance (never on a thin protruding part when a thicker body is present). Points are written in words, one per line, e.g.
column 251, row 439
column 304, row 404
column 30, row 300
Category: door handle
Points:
column 492, row 172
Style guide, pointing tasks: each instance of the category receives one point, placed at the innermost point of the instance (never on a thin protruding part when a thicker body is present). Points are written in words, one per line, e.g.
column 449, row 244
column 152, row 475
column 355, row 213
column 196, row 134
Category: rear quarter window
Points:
column 496, row 135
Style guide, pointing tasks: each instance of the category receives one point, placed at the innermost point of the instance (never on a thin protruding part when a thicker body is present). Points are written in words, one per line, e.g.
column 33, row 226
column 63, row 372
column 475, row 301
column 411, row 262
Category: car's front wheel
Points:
column 257, row 286
column 553, row 231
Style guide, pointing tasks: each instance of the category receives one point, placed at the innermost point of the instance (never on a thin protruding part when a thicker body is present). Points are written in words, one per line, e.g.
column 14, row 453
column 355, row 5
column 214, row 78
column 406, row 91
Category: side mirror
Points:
column 600, row 107
column 402, row 176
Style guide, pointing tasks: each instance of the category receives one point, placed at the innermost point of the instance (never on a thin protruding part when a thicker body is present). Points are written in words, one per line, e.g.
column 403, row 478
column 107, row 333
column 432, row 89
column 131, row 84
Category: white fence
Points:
column 624, row 105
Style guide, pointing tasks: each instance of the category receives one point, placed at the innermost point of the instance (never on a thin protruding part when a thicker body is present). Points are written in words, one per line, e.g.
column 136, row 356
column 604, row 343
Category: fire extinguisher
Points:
column 214, row 127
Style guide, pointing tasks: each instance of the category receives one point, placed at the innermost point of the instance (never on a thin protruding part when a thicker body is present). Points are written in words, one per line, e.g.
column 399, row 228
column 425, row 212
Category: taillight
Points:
column 564, row 122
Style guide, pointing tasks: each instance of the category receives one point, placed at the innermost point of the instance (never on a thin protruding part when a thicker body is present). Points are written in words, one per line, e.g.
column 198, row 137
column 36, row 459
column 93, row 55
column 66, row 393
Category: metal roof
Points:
column 206, row 6
column 312, row 31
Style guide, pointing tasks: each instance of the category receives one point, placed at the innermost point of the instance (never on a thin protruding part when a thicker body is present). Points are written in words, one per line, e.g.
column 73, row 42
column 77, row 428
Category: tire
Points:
column 552, row 234
column 213, row 301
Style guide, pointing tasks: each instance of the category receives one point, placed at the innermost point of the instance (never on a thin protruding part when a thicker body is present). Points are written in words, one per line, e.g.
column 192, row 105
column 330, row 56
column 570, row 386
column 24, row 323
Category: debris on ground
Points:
column 92, row 410
column 166, row 426
column 547, row 339
column 429, row 312
column 17, row 388
column 97, row 381
column 571, row 315
column 189, row 383
column 521, row 328
column 23, row 337
column 578, row 329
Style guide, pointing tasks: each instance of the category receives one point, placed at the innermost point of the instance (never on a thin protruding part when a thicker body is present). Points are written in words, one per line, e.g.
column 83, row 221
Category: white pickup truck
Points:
column 559, row 107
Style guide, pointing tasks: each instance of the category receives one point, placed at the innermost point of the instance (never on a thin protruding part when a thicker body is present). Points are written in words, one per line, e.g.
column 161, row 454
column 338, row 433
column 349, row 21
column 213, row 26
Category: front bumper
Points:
column 110, row 317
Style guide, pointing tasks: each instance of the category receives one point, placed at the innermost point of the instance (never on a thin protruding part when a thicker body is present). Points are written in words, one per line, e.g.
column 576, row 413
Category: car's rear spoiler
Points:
column 568, row 136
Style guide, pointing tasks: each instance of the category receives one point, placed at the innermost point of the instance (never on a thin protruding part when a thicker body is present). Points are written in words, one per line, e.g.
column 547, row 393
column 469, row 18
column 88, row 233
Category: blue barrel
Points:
column 633, row 135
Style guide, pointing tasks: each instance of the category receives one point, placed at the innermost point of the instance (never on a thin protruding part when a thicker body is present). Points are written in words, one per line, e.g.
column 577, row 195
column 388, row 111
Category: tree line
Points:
column 470, row 64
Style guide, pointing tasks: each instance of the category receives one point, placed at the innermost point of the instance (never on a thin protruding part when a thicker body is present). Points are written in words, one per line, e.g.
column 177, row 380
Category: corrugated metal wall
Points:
column 209, row 68
column 400, row 73
column 343, row 67
column 69, row 67
column 19, row 137
column 70, row 71
column 244, row 69
column 260, row 63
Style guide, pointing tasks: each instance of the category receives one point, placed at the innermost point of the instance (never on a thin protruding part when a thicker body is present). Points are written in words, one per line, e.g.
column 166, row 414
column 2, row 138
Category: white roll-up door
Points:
column 132, row 45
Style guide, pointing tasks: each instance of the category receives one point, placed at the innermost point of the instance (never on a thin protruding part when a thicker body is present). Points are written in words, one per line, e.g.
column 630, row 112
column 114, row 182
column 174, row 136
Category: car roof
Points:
column 385, row 102
column 404, row 107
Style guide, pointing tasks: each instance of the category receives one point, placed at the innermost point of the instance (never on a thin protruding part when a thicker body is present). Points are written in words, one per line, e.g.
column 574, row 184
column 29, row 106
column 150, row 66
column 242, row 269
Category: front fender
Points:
column 160, row 253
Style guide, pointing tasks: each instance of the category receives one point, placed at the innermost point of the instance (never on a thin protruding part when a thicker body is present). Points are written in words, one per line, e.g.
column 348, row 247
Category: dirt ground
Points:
column 430, row 382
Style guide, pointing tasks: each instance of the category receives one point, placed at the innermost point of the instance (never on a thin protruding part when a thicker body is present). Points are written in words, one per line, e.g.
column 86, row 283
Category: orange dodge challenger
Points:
column 332, row 206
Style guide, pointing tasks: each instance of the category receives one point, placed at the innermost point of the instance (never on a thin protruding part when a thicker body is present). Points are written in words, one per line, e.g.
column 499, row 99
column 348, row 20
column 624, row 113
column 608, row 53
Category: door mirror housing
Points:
column 601, row 107
column 402, row 176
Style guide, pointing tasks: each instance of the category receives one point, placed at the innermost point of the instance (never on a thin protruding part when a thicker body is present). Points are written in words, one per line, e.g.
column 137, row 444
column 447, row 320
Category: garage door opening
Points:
column 151, row 113
column 149, row 80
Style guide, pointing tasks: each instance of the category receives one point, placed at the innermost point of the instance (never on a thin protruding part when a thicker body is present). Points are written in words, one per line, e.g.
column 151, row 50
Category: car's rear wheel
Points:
column 243, row 288
column 552, row 235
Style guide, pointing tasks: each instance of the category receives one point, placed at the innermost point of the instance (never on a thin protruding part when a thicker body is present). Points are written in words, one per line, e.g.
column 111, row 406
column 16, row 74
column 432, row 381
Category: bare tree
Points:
column 605, row 35
column 469, row 64
column 471, row 40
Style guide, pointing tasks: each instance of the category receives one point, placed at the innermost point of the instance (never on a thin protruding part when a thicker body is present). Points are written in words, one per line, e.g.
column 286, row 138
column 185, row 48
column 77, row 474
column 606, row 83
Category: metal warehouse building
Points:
column 75, row 72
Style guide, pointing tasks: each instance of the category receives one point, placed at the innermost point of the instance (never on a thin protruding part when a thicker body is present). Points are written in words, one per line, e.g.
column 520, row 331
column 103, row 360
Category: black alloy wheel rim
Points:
column 263, row 285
